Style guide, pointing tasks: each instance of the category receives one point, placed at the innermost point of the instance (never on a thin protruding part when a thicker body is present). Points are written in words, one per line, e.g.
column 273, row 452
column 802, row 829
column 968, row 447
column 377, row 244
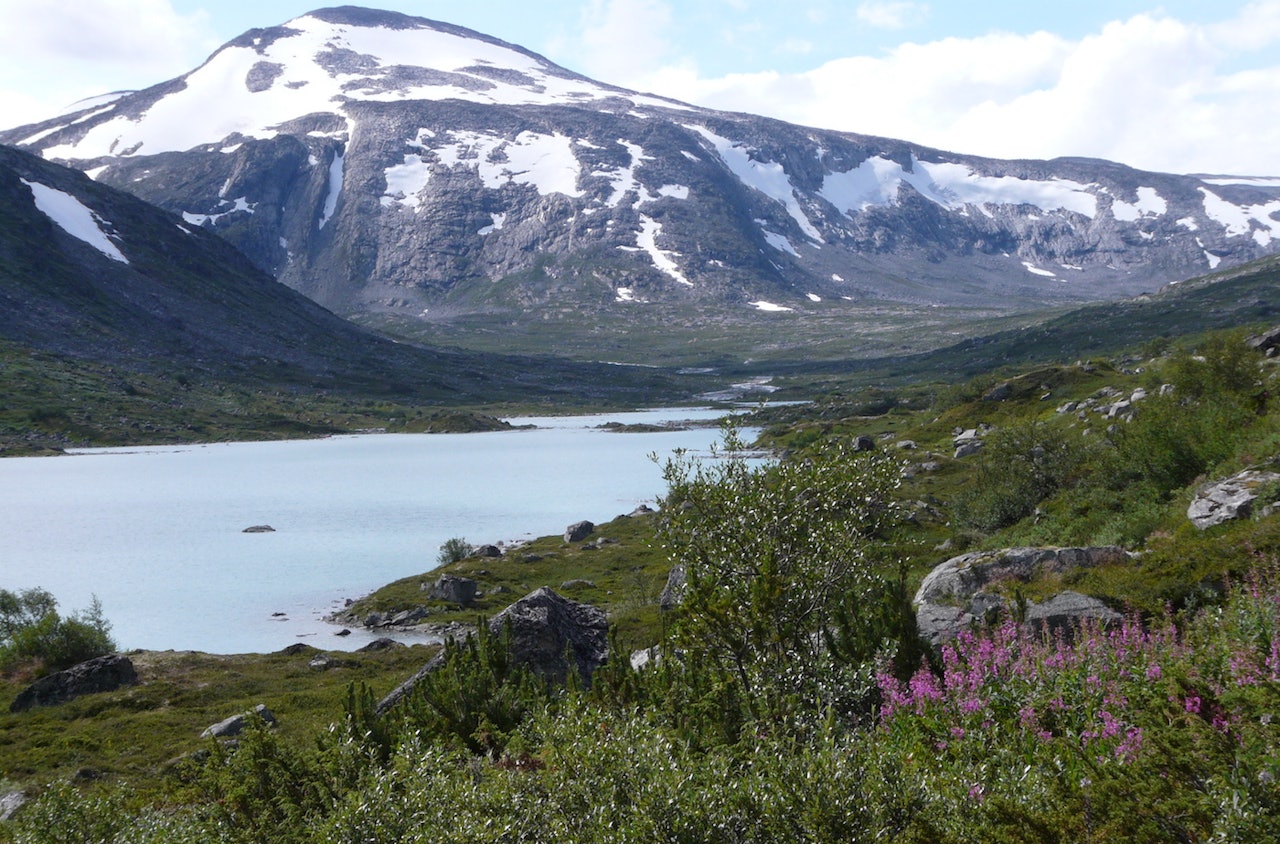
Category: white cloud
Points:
column 891, row 14
column 115, row 43
column 618, row 36
column 1151, row 91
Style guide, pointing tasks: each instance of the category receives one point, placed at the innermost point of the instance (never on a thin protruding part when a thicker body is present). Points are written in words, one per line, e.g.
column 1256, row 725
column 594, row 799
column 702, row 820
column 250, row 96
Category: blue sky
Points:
column 1178, row 86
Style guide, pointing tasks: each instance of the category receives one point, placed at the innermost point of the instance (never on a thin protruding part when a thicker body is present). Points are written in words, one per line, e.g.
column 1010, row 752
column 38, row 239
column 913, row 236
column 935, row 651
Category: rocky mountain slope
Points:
column 384, row 164
column 91, row 273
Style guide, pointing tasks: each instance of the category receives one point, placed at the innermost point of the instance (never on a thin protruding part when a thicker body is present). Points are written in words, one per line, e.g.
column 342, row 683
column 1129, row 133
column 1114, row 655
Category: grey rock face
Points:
column 233, row 726
column 578, row 531
column 1064, row 612
column 673, row 592
column 11, row 803
column 954, row 595
column 454, row 589
column 1232, row 498
column 544, row 627
column 104, row 674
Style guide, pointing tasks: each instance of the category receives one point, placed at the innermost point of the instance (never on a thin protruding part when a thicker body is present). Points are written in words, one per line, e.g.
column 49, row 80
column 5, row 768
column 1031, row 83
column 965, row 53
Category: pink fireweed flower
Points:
column 924, row 687
column 1244, row 670
column 1110, row 726
column 1127, row 750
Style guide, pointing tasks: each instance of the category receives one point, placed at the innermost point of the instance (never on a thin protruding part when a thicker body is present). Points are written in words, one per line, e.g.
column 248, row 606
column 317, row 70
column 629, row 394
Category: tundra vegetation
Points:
column 788, row 697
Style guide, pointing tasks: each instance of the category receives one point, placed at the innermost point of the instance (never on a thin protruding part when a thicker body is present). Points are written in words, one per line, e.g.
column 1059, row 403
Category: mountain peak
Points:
column 419, row 171
column 321, row 63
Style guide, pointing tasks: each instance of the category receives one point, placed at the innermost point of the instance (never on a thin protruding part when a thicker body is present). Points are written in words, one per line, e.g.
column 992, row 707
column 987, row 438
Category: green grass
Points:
column 619, row 568
column 135, row 734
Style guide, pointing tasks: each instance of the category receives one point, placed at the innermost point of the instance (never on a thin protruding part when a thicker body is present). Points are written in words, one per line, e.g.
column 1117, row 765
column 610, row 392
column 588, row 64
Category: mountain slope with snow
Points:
column 387, row 164
column 91, row 273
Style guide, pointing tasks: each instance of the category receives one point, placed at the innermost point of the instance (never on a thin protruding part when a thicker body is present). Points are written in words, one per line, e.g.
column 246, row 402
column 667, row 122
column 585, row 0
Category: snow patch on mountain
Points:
column 335, row 188
column 239, row 204
column 878, row 181
column 647, row 240
column 498, row 220
column 778, row 241
column 317, row 67
column 623, row 180
column 405, row 181
column 1032, row 268
column 1265, row 182
column 74, row 218
column 768, row 177
column 1149, row 203
column 546, row 162
column 770, row 307
column 1238, row 220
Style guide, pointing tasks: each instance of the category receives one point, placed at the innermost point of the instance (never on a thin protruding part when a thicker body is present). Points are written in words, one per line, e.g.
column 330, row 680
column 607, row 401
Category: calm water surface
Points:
column 157, row 532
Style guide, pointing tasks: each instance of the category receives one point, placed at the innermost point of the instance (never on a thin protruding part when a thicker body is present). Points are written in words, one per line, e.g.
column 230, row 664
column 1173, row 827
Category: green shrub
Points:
column 773, row 556
column 454, row 550
column 1020, row 466
column 33, row 633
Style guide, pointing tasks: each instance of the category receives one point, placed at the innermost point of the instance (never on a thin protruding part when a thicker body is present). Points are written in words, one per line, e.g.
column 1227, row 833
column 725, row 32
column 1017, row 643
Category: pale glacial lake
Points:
column 157, row 532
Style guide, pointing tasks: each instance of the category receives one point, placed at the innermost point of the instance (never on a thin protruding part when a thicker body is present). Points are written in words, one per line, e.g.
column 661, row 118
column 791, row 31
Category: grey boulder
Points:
column 958, row 593
column 103, row 674
column 234, row 726
column 1231, row 498
column 545, row 627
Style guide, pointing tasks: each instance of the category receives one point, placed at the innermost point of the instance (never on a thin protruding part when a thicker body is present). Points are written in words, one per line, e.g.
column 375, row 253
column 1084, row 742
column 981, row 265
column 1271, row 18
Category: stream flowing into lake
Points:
column 156, row 533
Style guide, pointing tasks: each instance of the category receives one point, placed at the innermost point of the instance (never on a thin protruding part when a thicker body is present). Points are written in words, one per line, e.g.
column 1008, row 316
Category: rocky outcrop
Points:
column 673, row 592
column 11, row 803
column 1267, row 342
column 578, row 531
column 1064, row 612
column 960, row 593
column 104, row 674
column 234, row 726
column 1232, row 498
column 454, row 589
column 544, row 628
column 967, row 442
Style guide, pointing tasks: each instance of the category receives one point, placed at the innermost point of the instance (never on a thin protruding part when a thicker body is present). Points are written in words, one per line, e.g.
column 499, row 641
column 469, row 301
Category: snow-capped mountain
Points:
column 381, row 162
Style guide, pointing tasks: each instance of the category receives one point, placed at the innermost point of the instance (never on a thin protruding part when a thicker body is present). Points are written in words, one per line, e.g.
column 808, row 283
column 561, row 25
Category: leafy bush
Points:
column 773, row 556
column 478, row 696
column 1020, row 466
column 33, row 633
column 453, row 550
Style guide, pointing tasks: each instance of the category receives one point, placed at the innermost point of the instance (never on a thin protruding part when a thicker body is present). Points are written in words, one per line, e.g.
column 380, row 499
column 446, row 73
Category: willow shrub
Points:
column 33, row 633
column 774, row 556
